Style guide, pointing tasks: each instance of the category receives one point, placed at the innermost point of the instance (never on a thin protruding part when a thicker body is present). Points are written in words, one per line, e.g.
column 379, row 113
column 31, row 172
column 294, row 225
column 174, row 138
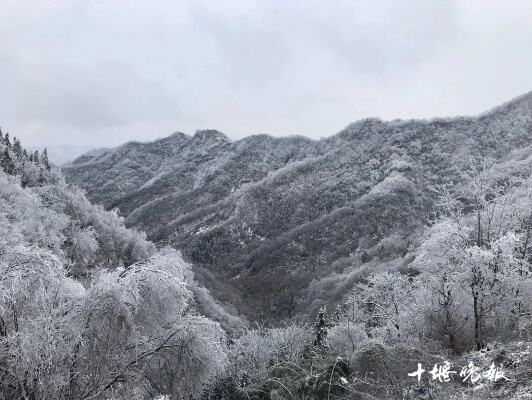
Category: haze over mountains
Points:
column 62, row 154
column 280, row 226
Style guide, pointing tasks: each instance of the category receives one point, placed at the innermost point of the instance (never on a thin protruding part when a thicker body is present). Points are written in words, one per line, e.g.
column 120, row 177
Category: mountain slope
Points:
column 88, row 308
column 264, row 217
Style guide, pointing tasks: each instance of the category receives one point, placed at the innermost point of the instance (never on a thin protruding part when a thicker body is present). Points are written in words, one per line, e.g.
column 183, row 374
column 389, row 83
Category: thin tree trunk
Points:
column 477, row 321
column 479, row 231
column 448, row 320
column 527, row 238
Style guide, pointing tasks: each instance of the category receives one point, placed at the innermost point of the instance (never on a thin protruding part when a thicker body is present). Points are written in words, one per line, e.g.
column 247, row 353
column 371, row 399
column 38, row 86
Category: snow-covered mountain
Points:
column 267, row 218
column 417, row 232
column 82, row 296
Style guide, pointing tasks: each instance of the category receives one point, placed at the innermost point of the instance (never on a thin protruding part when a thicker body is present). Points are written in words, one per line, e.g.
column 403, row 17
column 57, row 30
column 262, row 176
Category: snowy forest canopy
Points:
column 91, row 309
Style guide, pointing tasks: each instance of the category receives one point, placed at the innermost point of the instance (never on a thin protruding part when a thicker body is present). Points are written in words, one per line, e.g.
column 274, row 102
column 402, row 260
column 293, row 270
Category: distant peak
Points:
column 210, row 135
column 178, row 134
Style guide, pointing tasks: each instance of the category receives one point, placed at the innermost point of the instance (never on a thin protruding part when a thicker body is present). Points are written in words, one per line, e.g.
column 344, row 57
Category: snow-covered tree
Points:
column 257, row 351
column 7, row 163
column 17, row 148
column 321, row 327
column 7, row 142
column 45, row 160
column 138, row 333
column 471, row 283
column 384, row 300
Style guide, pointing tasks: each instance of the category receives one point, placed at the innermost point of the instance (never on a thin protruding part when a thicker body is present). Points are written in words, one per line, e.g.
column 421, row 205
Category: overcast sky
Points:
column 100, row 73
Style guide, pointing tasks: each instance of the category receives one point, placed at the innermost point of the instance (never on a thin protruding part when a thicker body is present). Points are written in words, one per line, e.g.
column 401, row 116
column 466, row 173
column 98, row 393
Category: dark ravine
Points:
column 266, row 218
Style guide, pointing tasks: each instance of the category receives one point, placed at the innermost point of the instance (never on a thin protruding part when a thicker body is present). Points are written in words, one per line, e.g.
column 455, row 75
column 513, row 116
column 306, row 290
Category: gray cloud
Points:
column 100, row 73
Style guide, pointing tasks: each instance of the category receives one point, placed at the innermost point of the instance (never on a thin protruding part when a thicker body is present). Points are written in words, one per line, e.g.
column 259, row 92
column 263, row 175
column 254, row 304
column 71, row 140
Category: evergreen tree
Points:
column 31, row 157
column 321, row 327
column 7, row 163
column 17, row 148
column 25, row 153
column 36, row 159
column 42, row 178
column 337, row 315
column 1, row 136
column 24, row 178
column 45, row 160
column 6, row 140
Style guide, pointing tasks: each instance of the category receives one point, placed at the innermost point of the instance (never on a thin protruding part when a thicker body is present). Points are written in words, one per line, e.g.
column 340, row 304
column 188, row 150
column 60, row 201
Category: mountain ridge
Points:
column 525, row 97
column 264, row 213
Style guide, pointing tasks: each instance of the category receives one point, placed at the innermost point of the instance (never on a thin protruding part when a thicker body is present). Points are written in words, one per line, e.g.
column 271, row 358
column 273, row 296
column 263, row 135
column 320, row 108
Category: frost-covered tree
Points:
column 321, row 327
column 129, row 333
column 7, row 142
column 384, row 303
column 139, row 334
column 82, row 244
column 7, row 163
column 474, row 269
column 257, row 352
column 17, row 148
column 37, row 309
column 45, row 160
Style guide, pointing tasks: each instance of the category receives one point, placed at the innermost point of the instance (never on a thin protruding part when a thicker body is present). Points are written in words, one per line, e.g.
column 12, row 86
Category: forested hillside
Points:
column 89, row 308
column 281, row 226
column 398, row 246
